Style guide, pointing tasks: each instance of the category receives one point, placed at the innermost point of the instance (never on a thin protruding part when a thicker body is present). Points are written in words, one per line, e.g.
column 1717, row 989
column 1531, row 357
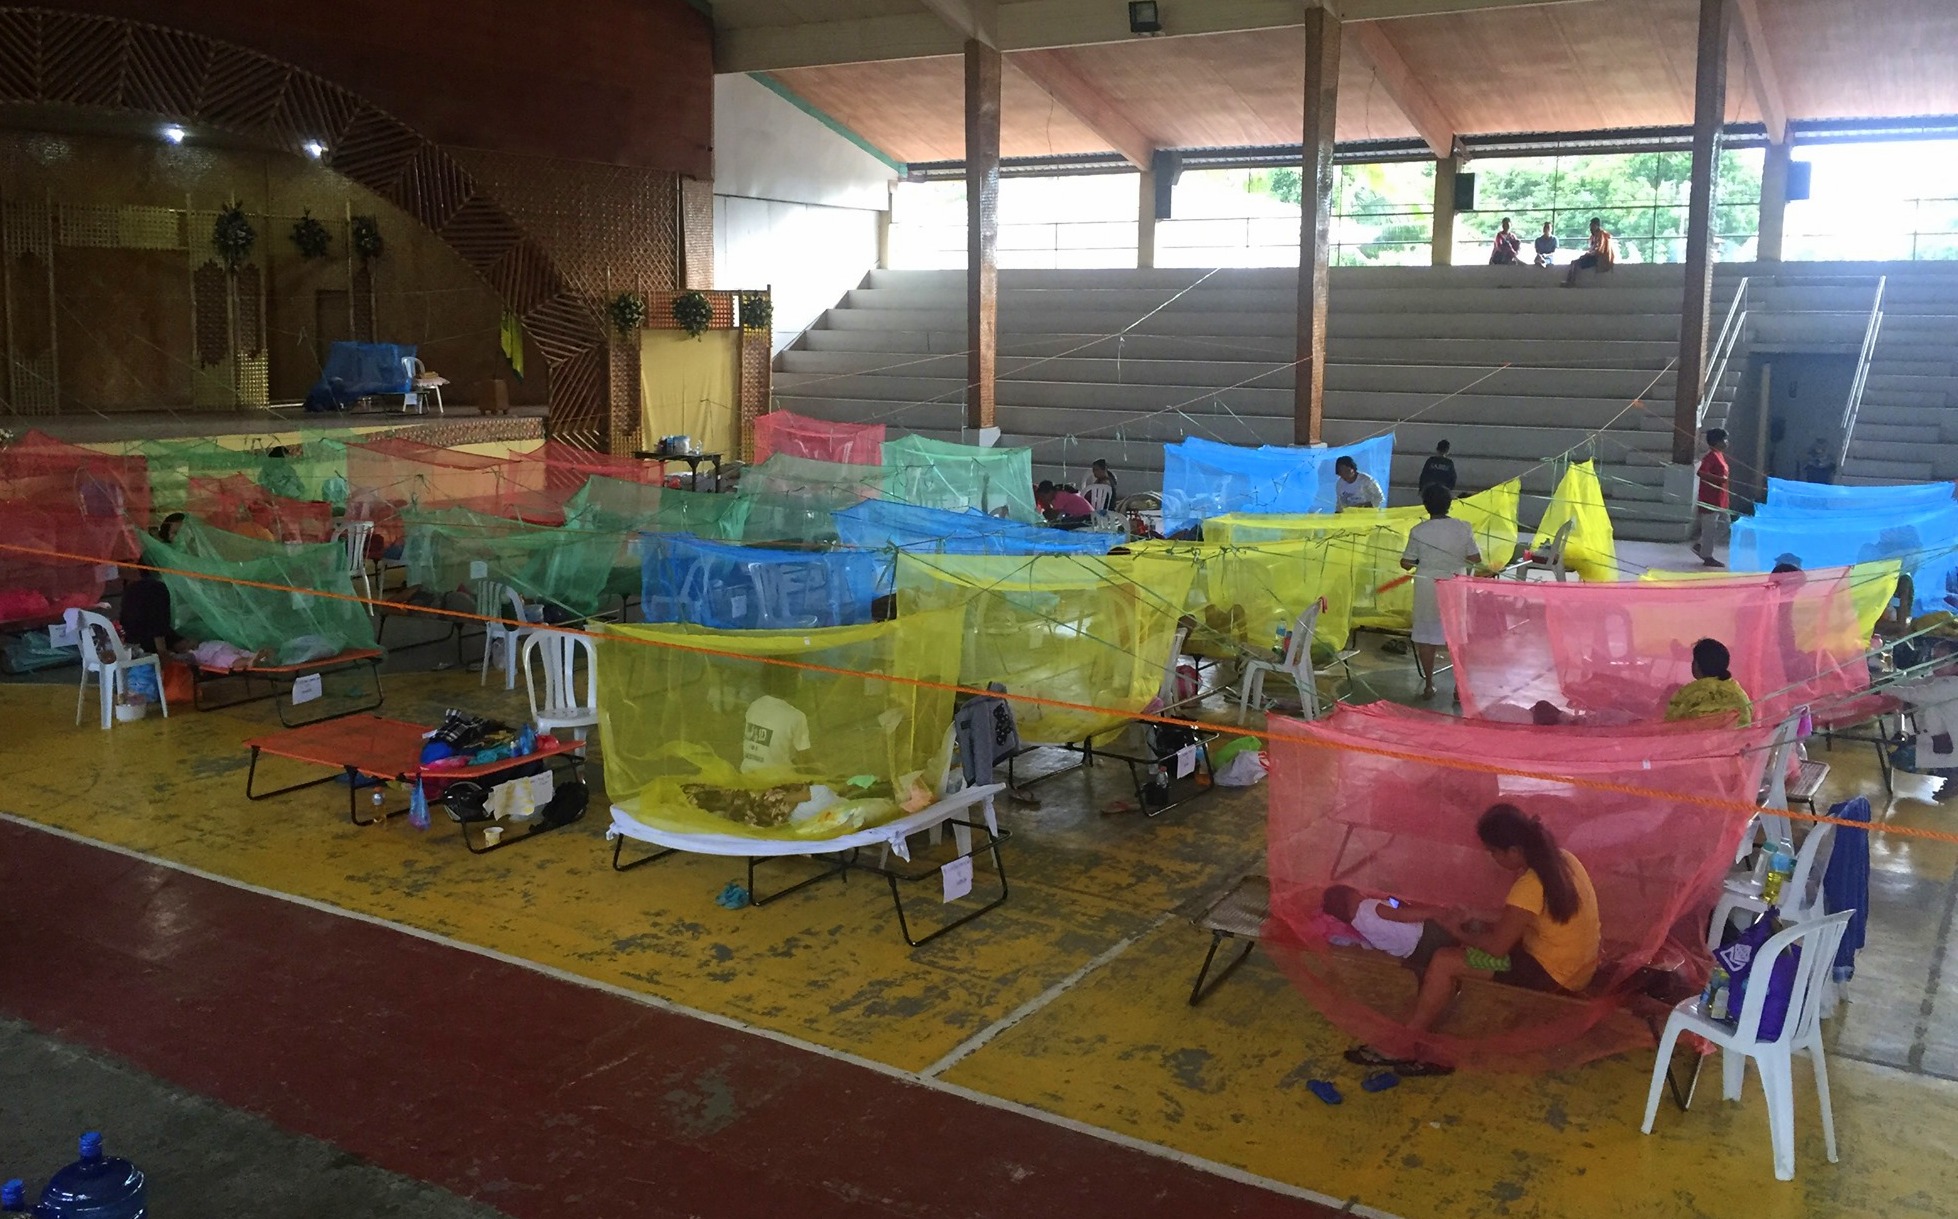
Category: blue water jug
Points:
column 95, row 1187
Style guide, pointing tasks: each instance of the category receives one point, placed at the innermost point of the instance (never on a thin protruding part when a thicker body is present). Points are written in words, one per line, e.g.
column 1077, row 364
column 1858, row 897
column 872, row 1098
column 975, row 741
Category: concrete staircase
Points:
column 1509, row 367
column 1907, row 429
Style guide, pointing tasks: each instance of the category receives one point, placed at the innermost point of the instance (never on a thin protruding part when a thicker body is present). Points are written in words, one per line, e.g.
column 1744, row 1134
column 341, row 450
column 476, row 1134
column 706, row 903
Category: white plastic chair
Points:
column 1168, row 697
column 99, row 635
column 356, row 535
column 1550, row 559
column 421, row 382
column 1800, row 1030
column 496, row 602
column 555, row 653
column 1297, row 665
column 1801, row 893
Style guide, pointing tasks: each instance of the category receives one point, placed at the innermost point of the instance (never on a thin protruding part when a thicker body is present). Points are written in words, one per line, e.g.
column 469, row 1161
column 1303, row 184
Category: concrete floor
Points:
column 202, row 1157
column 1065, row 1005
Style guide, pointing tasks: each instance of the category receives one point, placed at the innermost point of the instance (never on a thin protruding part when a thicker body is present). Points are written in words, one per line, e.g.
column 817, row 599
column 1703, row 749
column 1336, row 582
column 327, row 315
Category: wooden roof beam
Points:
column 1767, row 82
column 1060, row 75
column 1436, row 129
column 1030, row 25
column 972, row 18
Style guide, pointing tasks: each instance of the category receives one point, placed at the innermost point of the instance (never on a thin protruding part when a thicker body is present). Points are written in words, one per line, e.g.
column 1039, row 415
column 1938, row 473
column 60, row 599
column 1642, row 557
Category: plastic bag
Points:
column 1244, row 769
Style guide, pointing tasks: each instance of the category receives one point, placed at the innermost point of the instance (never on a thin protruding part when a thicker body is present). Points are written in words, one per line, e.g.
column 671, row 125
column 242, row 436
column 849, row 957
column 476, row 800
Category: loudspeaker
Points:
column 1167, row 165
column 1464, row 192
column 1799, row 179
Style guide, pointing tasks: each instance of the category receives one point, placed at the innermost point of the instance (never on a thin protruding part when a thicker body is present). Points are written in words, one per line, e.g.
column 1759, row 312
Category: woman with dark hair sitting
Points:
column 1713, row 690
column 1546, row 937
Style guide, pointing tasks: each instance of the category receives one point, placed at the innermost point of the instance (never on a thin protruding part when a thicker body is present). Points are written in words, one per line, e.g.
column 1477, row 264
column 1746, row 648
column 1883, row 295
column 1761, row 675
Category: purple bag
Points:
column 1737, row 959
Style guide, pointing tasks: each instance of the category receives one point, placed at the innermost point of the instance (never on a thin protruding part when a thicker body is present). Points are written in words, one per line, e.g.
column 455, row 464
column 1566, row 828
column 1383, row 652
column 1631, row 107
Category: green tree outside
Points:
column 1383, row 212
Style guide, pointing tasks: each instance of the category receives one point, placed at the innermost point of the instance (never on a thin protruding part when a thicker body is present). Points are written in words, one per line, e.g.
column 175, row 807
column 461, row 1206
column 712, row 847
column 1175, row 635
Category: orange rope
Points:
column 1714, row 803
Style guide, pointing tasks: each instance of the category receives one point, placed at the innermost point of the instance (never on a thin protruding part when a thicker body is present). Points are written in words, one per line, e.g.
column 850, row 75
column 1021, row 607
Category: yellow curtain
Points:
column 687, row 387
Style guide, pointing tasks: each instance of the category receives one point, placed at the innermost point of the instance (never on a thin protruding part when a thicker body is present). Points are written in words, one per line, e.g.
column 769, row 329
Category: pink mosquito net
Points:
column 800, row 436
column 1385, row 798
column 110, row 495
column 399, row 472
column 1615, row 653
column 235, row 499
column 560, row 470
column 35, row 588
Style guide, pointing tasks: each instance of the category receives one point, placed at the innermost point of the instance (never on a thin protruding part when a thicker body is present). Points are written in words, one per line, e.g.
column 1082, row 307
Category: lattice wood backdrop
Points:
column 549, row 237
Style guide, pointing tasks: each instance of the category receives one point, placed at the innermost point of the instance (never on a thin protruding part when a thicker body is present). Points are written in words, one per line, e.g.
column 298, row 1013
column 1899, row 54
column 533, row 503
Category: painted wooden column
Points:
column 1315, row 227
column 1774, row 203
column 982, row 73
column 1444, row 220
column 1709, row 113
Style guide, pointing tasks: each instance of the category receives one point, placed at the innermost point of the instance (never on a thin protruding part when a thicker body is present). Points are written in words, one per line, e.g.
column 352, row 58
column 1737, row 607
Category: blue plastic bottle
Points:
column 13, row 1197
column 95, row 1187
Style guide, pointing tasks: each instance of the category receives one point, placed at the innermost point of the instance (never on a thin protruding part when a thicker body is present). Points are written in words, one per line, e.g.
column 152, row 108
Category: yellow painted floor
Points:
column 1118, row 1049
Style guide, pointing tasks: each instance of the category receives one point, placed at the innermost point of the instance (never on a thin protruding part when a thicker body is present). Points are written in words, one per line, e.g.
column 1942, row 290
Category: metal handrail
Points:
column 1855, row 403
column 1723, row 348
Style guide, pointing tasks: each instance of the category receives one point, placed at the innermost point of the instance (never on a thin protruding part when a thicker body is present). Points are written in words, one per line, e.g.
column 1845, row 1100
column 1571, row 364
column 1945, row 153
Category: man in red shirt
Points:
column 1710, row 515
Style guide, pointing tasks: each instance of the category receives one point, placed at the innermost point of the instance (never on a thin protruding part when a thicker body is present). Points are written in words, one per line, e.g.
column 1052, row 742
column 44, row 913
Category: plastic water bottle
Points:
column 13, row 1197
column 526, row 742
column 96, row 1187
column 1779, row 869
column 1714, row 1001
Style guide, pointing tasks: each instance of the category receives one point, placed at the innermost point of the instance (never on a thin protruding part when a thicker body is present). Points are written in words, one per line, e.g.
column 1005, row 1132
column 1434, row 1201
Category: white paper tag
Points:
column 478, row 569
column 957, row 876
column 1186, row 761
column 60, row 635
column 542, row 787
column 306, row 689
column 108, row 571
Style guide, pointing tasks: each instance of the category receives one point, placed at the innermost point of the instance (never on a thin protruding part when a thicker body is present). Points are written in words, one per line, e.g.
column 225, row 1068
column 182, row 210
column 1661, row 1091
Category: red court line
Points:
column 533, row 1095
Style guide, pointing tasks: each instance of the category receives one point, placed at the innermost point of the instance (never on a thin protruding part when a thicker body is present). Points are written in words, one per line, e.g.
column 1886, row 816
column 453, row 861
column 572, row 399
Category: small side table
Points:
column 693, row 461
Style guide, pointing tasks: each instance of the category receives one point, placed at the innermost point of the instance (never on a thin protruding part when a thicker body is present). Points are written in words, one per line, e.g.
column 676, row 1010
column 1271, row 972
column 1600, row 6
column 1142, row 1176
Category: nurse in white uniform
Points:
column 1437, row 548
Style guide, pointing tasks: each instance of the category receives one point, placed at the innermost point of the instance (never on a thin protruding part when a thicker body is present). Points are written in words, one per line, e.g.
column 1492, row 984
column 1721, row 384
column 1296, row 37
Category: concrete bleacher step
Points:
column 1115, row 363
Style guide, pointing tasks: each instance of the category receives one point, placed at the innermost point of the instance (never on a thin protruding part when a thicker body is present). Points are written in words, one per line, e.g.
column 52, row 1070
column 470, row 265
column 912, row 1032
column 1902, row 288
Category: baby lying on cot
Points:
column 1405, row 930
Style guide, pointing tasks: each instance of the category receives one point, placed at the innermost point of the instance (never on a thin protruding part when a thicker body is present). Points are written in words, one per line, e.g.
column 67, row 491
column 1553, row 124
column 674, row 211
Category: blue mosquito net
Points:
column 1202, row 478
column 877, row 524
column 746, row 588
column 1923, row 540
column 1801, row 496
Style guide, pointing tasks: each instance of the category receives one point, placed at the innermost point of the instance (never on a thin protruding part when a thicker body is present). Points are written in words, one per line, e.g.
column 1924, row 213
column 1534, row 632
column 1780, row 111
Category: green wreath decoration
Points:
column 757, row 311
column 693, row 313
column 628, row 312
column 366, row 237
column 232, row 235
column 311, row 236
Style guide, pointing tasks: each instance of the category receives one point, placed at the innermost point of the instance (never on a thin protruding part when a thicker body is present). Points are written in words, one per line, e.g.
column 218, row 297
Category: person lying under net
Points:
column 1546, row 937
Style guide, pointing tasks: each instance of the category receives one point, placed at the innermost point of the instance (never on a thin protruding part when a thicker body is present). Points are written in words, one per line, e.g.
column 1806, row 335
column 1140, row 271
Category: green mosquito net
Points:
column 940, row 474
column 292, row 598
column 456, row 548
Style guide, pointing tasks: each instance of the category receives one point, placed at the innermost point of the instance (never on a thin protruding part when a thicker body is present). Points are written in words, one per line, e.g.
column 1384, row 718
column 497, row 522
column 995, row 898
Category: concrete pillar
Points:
column 1444, row 230
column 1315, row 228
column 982, row 74
column 1709, row 112
column 884, row 232
column 1774, row 203
column 1145, row 221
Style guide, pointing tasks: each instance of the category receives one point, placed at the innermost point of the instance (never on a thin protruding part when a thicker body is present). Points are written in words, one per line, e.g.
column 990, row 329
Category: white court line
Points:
column 1346, row 1206
column 980, row 1038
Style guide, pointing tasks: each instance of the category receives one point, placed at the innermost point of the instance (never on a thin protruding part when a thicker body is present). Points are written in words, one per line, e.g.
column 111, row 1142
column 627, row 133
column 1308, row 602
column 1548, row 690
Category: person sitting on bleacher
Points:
column 1062, row 506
